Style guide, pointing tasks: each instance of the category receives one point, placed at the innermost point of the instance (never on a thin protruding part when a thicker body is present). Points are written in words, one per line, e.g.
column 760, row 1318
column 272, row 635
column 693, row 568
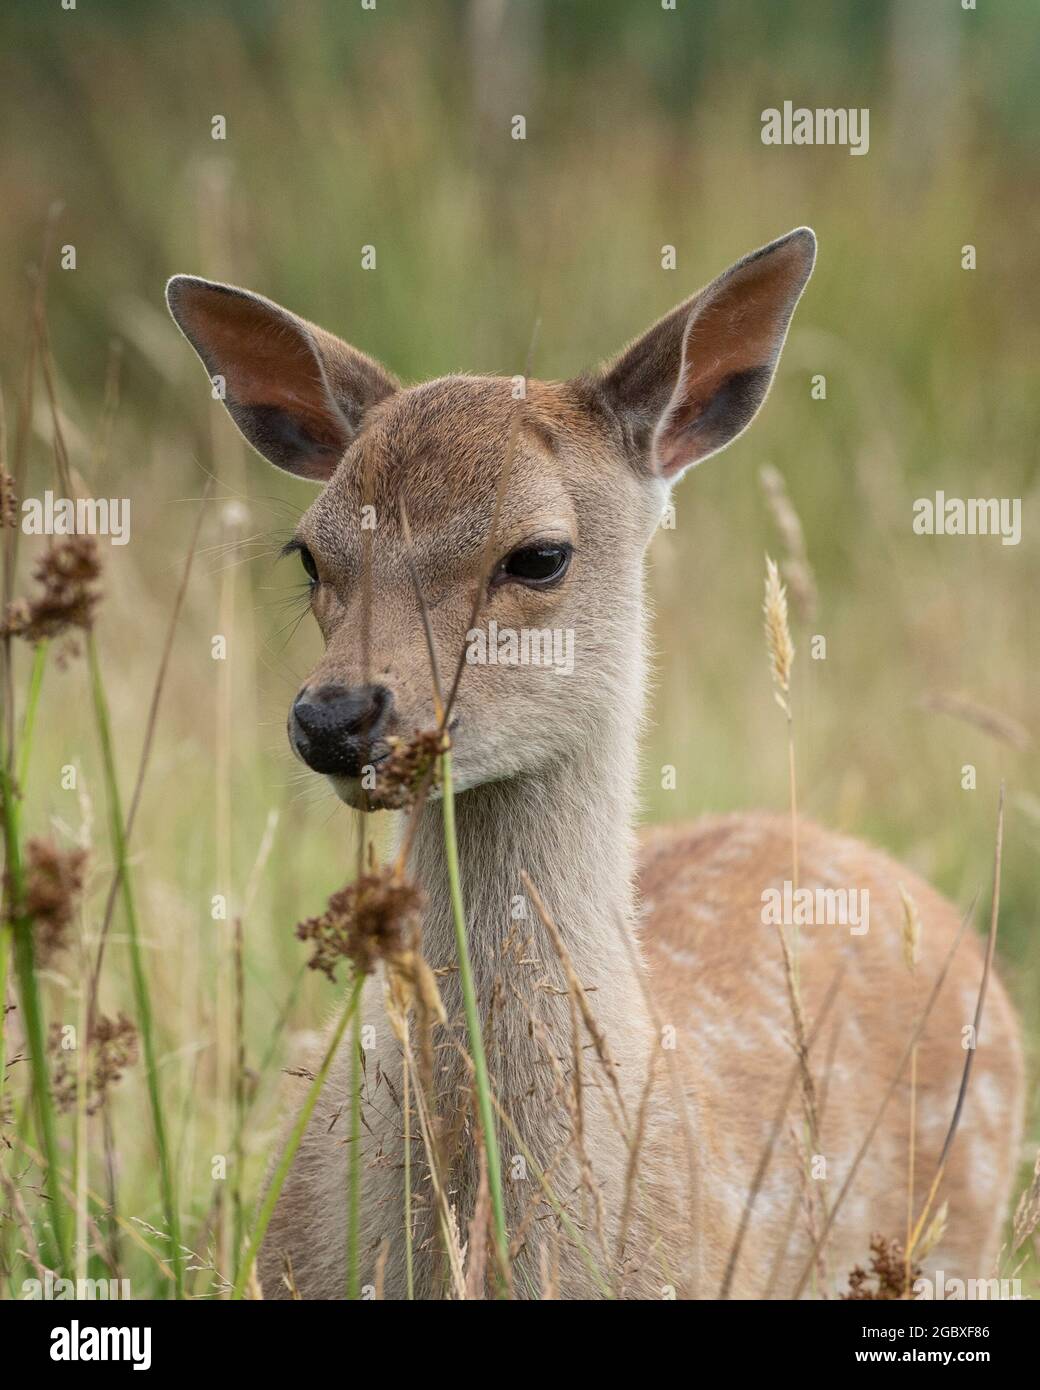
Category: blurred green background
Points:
column 348, row 127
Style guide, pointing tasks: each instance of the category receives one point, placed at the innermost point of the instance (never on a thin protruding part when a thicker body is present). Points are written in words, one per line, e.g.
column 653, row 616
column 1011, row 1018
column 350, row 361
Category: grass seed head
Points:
column 374, row 918
column 887, row 1271
column 933, row 1233
column 778, row 634
column 53, row 888
column 400, row 777
column 67, row 572
column 8, row 500
column 1027, row 1210
column 796, row 568
column 911, row 931
column 111, row 1048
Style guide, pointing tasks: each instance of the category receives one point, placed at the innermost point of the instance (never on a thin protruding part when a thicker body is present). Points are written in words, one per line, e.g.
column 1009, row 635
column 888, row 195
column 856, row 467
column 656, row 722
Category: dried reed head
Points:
column 374, row 918
column 991, row 721
column 796, row 568
column 411, row 765
column 377, row 919
column 67, row 572
column 932, row 1234
column 112, row 1047
column 887, row 1270
column 911, row 930
column 1027, row 1210
column 8, row 499
column 53, row 888
column 778, row 635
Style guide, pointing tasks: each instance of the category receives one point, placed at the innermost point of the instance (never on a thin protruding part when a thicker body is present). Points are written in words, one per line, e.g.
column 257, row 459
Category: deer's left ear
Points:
column 695, row 381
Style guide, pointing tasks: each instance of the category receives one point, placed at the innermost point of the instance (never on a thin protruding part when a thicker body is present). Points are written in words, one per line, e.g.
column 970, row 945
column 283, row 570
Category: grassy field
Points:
column 346, row 129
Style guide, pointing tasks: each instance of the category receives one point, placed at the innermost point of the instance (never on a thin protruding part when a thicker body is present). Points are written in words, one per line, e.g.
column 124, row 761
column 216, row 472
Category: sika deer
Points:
column 665, row 933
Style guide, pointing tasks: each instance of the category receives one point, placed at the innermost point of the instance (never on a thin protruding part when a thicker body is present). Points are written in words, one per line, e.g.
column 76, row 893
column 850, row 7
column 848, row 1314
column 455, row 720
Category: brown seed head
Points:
column 887, row 1270
column 111, row 1048
column 53, row 887
column 67, row 573
column 374, row 918
column 411, row 764
column 8, row 499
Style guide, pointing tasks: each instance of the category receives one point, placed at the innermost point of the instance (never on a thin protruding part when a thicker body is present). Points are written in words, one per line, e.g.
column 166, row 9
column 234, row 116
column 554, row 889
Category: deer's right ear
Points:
column 296, row 392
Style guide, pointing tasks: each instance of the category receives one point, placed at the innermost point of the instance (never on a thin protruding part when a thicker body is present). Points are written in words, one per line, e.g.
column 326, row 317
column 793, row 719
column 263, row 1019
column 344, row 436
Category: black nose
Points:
column 335, row 729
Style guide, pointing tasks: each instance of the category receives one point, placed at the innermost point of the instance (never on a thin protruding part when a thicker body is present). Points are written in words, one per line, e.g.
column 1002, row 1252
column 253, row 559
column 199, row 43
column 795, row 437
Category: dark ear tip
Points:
column 173, row 289
column 795, row 252
column 178, row 287
column 804, row 239
column 181, row 288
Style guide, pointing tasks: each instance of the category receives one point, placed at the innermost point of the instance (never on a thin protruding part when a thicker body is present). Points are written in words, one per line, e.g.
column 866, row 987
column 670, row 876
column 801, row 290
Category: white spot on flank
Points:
column 679, row 954
column 990, row 1098
column 980, row 1165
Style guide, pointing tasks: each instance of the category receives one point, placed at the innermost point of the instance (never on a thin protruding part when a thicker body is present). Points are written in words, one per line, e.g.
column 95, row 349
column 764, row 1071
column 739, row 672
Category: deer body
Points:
column 648, row 1126
column 715, row 975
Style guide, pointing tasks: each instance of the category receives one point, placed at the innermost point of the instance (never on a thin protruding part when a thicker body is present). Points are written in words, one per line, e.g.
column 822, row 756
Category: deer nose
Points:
column 334, row 728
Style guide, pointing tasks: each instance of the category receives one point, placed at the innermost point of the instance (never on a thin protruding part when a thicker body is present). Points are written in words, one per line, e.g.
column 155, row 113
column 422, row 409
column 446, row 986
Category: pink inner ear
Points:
column 730, row 349
column 264, row 362
column 297, row 393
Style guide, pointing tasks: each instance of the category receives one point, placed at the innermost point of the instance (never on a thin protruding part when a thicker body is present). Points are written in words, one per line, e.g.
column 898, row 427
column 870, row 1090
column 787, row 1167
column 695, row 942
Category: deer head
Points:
column 590, row 464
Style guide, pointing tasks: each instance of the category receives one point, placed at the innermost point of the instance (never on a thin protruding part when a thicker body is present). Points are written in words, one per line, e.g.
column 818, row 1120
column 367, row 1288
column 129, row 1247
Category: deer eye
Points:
column 306, row 559
column 537, row 565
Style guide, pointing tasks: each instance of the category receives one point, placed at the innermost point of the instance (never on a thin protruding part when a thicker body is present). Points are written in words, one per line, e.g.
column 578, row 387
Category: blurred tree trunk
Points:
column 505, row 53
column 506, row 39
column 924, row 52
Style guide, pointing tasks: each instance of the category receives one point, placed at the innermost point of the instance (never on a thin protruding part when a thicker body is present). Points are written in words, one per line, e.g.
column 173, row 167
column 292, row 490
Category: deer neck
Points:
column 569, row 828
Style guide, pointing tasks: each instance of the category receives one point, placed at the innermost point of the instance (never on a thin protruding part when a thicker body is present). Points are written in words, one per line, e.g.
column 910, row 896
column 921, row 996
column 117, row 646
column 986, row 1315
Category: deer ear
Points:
column 296, row 392
column 695, row 381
